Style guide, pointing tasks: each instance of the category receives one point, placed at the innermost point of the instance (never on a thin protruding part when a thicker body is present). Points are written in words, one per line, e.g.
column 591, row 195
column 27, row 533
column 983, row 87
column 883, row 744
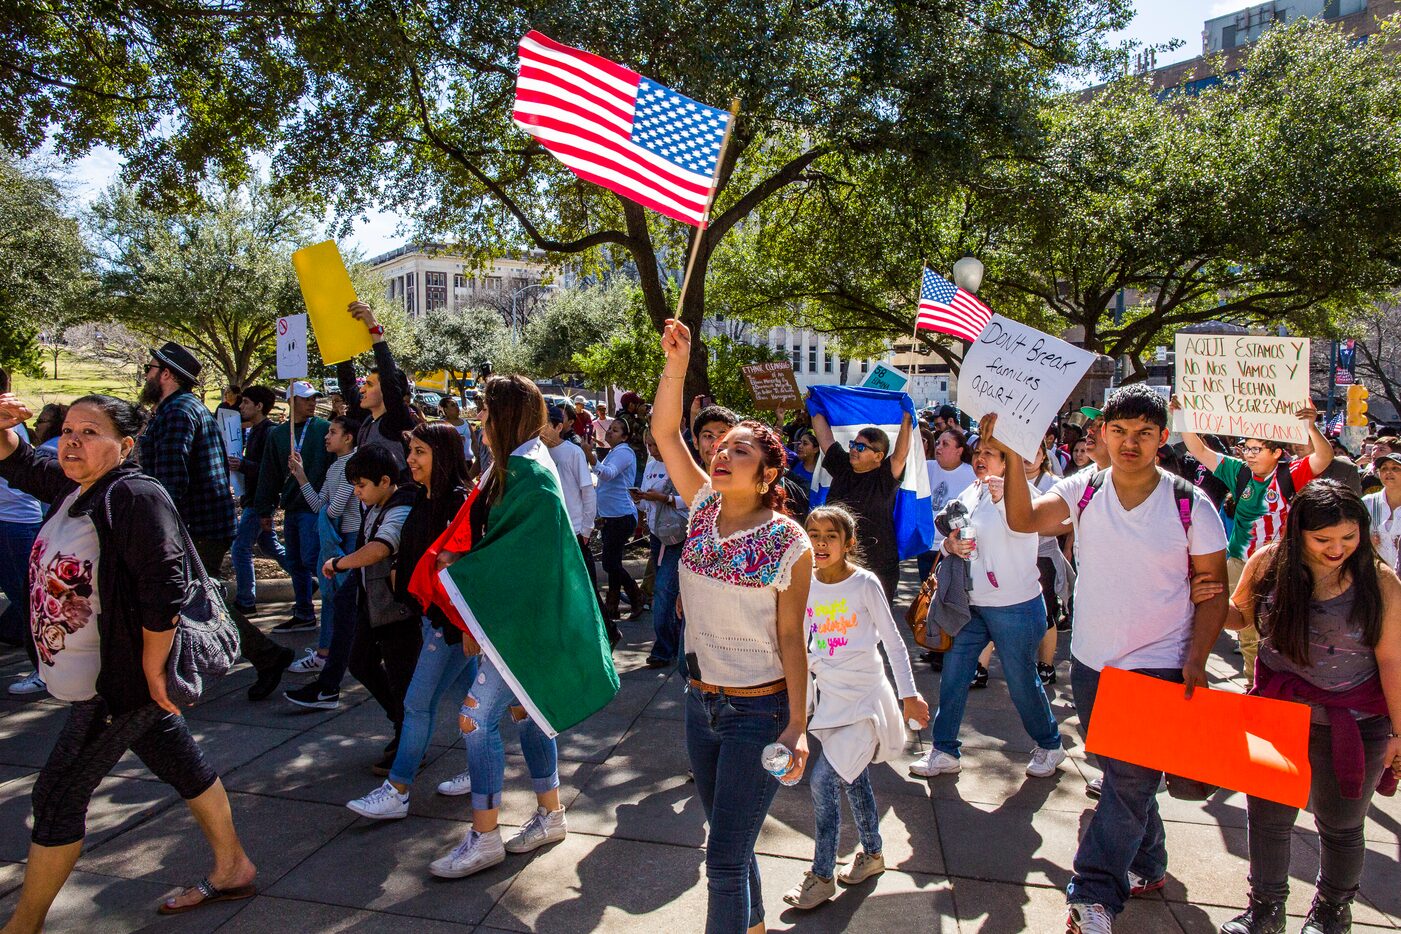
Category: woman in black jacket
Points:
column 107, row 579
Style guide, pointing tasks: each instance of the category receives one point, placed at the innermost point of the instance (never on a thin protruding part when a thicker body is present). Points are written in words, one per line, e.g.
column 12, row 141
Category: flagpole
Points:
column 914, row 335
column 705, row 219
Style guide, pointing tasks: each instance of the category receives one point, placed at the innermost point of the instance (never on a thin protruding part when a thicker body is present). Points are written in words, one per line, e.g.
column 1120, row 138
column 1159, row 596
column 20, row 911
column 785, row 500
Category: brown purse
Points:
column 917, row 616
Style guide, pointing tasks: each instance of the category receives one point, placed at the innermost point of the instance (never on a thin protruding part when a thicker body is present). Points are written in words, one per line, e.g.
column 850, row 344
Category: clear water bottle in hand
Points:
column 778, row 762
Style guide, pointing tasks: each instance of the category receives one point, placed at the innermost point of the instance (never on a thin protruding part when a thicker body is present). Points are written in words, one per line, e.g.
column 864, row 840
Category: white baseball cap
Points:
column 580, row 399
column 301, row 389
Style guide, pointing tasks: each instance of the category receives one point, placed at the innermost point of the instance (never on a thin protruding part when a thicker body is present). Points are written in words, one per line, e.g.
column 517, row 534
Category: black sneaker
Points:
column 312, row 696
column 294, row 625
column 980, row 678
column 269, row 678
column 1047, row 673
column 1260, row 918
column 657, row 662
column 1327, row 917
column 247, row 609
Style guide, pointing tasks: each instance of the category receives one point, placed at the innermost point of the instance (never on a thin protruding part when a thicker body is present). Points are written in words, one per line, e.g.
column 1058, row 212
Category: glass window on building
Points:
column 812, row 359
column 797, row 360
column 493, row 283
column 826, row 363
column 459, row 281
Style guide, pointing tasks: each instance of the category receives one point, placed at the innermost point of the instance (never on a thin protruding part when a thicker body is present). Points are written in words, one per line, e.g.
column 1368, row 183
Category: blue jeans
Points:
column 250, row 532
column 303, row 548
column 1125, row 831
column 1016, row 631
column 725, row 739
column 330, row 586
column 16, row 542
column 827, row 788
column 486, row 755
column 666, row 587
column 442, row 670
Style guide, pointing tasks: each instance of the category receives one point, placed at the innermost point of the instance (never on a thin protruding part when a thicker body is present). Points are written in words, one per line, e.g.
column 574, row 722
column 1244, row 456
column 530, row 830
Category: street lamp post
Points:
column 515, row 322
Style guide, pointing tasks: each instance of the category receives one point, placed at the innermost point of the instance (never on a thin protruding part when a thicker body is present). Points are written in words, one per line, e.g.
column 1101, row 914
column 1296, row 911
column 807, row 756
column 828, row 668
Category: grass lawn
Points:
column 77, row 376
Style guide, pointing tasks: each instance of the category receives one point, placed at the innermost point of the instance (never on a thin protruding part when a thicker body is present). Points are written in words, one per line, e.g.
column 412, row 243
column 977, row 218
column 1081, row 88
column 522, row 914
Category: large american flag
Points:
column 617, row 129
column 946, row 308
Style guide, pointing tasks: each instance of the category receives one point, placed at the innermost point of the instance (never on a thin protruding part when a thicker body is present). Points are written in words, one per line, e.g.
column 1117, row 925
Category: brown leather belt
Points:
column 762, row 690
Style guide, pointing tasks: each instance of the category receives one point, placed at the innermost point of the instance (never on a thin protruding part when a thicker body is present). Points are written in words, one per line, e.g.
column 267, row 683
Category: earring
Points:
column 763, row 487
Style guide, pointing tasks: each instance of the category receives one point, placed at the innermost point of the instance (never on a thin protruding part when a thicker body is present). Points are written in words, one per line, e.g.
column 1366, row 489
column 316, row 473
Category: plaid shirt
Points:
column 182, row 448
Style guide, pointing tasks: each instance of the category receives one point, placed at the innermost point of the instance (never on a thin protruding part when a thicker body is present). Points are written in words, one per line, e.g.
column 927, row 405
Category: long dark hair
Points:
column 449, row 460
column 515, row 414
column 1284, row 593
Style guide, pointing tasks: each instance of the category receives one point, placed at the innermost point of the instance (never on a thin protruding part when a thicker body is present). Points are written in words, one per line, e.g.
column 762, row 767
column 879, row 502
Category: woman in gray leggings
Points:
column 1329, row 615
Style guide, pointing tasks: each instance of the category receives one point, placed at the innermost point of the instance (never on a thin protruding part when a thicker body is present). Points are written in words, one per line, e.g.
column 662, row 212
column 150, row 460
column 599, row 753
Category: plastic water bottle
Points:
column 778, row 761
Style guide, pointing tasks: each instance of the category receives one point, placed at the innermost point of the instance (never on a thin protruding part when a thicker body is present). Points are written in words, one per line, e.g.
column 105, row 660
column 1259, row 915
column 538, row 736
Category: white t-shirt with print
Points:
column 945, row 485
column 63, row 603
column 1133, row 604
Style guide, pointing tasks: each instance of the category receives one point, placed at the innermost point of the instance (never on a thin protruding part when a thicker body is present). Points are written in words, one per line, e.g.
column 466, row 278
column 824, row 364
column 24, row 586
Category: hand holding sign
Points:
column 1021, row 374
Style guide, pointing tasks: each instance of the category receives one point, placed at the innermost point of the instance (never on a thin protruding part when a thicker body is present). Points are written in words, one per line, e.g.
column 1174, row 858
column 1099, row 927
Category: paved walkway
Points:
column 988, row 850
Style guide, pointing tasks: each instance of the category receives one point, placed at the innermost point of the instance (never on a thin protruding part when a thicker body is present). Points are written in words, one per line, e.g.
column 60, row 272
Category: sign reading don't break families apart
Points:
column 1022, row 375
column 1241, row 384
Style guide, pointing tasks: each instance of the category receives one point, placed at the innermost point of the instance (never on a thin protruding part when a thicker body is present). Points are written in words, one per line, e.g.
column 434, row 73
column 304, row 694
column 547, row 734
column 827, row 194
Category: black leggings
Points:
column 1047, row 568
column 88, row 748
column 383, row 658
column 616, row 532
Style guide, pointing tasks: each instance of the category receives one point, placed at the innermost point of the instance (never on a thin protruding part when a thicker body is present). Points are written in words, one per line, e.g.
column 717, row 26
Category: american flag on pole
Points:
column 946, row 308
column 617, row 129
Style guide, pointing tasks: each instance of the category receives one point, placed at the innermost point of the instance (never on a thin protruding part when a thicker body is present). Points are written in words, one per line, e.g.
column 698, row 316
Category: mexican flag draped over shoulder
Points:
column 848, row 409
column 524, row 594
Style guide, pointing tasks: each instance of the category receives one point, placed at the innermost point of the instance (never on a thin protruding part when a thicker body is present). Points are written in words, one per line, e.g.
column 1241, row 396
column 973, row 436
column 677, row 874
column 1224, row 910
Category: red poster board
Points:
column 1250, row 744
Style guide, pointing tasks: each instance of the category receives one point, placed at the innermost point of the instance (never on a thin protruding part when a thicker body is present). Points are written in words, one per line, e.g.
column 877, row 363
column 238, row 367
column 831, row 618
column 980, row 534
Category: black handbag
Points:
column 206, row 643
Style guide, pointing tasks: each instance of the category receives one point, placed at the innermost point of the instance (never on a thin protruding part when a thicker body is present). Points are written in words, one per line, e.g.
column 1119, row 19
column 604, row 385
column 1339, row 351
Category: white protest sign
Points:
column 1022, row 375
column 231, row 430
column 1241, row 384
column 291, row 347
column 885, row 377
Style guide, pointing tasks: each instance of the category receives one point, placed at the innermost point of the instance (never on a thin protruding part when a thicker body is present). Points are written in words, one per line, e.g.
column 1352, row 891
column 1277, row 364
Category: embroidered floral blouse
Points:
column 729, row 589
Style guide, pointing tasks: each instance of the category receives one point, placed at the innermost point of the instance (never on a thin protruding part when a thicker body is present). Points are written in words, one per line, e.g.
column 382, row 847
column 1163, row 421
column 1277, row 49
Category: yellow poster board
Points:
column 327, row 291
column 437, row 381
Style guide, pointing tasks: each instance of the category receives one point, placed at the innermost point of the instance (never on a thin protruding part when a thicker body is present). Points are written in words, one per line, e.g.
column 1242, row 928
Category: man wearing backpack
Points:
column 1262, row 484
column 1141, row 533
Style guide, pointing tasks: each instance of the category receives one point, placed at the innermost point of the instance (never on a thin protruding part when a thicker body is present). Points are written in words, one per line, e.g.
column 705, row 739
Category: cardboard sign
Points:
column 231, row 431
column 291, row 347
column 1240, row 384
column 772, row 385
column 1250, row 744
column 1022, row 375
column 885, row 377
column 327, row 291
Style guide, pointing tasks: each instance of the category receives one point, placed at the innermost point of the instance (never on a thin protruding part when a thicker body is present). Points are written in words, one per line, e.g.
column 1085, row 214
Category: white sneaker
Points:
column 32, row 684
column 811, row 892
column 1044, row 762
column 545, row 826
column 384, row 803
column 308, row 664
column 934, row 763
column 476, row 852
column 459, row 784
column 1089, row 919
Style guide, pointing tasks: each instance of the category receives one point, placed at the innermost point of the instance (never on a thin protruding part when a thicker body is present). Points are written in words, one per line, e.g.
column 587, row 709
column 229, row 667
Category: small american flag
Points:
column 617, row 129
column 946, row 308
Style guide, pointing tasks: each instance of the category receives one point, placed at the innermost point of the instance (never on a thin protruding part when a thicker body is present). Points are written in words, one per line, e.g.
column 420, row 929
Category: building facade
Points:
column 420, row 278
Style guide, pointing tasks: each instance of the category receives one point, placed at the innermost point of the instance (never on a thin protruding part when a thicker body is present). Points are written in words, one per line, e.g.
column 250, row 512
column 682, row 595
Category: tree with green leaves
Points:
column 459, row 342
column 214, row 275
column 410, row 104
column 45, row 267
column 1273, row 197
column 571, row 320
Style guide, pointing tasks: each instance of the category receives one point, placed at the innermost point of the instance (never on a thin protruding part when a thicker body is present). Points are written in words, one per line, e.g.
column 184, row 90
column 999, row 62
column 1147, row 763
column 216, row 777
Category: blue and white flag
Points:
column 848, row 409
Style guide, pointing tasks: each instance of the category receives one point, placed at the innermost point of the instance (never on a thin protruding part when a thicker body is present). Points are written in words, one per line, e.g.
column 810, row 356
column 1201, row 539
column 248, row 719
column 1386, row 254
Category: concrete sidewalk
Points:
column 988, row 850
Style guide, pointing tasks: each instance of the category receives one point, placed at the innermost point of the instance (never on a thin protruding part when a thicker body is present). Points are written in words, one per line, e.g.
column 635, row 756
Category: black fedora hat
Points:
column 177, row 358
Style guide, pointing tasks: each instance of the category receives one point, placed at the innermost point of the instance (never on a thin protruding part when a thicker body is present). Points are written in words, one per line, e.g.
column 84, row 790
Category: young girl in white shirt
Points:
column 855, row 714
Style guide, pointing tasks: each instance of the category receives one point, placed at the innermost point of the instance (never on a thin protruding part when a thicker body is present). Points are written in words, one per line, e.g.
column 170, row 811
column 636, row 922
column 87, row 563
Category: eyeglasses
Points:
column 1251, row 450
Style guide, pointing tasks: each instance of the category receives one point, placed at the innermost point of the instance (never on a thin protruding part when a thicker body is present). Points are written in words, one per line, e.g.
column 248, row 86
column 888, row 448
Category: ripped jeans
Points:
column 486, row 755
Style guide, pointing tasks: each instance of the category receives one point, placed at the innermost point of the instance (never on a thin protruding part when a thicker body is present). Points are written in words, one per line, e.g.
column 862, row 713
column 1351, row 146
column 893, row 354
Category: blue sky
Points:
column 1156, row 21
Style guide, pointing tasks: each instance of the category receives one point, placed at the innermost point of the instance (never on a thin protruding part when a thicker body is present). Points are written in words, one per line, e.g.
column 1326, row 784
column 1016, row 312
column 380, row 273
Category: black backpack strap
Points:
column 1285, row 479
column 1242, row 481
column 1184, row 494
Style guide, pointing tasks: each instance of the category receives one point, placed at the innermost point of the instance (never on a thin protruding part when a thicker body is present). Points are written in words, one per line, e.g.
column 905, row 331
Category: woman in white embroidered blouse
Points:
column 745, row 572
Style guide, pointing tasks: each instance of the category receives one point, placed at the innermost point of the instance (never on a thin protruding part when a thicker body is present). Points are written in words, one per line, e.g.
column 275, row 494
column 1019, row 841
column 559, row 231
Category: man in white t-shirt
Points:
column 576, row 483
column 1133, row 610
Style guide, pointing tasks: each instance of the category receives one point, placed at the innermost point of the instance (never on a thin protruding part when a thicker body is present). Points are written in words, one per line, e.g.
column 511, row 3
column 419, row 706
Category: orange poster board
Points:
column 1250, row 744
